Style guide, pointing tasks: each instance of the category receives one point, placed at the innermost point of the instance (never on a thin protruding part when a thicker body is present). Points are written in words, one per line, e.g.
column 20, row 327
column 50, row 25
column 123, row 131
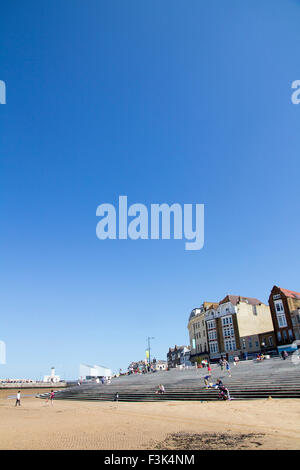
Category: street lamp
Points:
column 148, row 339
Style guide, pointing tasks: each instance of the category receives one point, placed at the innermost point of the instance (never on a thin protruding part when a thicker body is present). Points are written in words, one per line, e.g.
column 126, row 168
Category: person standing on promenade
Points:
column 227, row 366
column 18, row 400
column 206, row 381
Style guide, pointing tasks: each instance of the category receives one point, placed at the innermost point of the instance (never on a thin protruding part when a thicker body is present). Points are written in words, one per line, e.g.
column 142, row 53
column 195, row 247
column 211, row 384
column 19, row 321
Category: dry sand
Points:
column 259, row 424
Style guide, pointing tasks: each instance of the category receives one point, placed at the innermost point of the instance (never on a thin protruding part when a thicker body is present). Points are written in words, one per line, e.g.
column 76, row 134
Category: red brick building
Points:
column 285, row 309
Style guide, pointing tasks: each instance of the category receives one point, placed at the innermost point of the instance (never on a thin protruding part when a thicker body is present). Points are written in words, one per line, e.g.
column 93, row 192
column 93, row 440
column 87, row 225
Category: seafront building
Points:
column 198, row 333
column 285, row 311
column 87, row 372
column 160, row 365
column 52, row 378
column 178, row 356
column 236, row 326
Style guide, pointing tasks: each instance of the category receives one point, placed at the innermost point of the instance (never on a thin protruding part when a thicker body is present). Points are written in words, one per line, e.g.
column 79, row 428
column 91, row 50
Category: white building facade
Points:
column 87, row 372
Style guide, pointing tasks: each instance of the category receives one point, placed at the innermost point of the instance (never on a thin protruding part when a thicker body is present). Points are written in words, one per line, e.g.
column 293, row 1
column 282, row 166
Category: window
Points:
column 212, row 335
column 230, row 345
column 291, row 336
column 279, row 335
column 270, row 341
column 244, row 343
column 281, row 320
column 227, row 321
column 213, row 347
column 227, row 332
column 279, row 306
column 284, row 334
column 211, row 324
column 254, row 311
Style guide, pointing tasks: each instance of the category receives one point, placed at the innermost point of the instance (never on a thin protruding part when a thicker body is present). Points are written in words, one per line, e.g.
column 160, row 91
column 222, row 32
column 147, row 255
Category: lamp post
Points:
column 263, row 347
column 148, row 339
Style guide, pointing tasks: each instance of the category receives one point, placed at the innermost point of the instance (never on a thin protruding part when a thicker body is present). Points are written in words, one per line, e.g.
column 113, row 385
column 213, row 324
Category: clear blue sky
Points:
column 163, row 101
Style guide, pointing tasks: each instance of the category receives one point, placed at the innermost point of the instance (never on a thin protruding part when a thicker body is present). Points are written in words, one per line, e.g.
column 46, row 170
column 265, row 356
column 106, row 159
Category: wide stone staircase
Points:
column 249, row 380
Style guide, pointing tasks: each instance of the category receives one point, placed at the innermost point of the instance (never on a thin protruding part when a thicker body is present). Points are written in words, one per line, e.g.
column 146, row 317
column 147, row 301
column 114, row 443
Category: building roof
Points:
column 210, row 305
column 235, row 299
column 205, row 306
column 289, row 293
column 194, row 314
column 178, row 348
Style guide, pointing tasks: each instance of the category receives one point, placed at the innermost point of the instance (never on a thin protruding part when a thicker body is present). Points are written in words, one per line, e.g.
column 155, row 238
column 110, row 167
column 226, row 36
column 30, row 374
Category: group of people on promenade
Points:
column 224, row 364
column 223, row 391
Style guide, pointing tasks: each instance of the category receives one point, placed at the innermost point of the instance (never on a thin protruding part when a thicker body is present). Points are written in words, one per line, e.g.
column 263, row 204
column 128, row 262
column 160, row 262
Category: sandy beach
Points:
column 259, row 424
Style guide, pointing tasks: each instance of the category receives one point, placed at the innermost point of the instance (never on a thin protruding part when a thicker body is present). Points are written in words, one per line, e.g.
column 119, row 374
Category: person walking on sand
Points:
column 51, row 397
column 18, row 400
column 208, row 368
